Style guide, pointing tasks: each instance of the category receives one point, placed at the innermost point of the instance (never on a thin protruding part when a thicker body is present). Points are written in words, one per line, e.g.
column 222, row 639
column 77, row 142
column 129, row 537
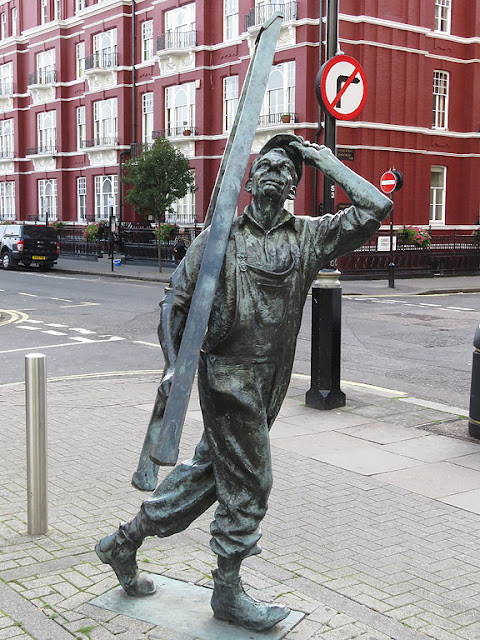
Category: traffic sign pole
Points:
column 330, row 138
column 391, row 181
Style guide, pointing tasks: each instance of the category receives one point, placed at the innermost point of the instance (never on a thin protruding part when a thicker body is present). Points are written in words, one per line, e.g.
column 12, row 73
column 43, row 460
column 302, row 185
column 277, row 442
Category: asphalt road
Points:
column 416, row 344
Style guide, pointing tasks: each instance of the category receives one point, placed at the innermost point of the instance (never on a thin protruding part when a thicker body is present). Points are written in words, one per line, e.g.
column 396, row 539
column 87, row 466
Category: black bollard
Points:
column 325, row 392
column 474, row 415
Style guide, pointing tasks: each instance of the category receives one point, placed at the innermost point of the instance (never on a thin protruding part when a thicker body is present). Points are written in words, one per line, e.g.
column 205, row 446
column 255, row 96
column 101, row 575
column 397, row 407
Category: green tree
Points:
column 157, row 177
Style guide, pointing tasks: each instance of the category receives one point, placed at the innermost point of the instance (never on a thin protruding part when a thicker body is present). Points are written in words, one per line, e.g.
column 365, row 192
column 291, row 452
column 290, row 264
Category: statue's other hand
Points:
column 315, row 155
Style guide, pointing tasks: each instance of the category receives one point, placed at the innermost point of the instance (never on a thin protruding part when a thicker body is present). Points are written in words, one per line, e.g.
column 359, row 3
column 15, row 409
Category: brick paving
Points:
column 362, row 557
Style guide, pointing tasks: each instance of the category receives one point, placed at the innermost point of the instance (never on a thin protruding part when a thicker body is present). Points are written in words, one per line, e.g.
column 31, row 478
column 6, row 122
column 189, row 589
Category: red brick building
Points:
column 81, row 80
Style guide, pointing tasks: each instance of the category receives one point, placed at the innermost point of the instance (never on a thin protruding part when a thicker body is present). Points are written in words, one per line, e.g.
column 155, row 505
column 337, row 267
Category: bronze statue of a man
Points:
column 245, row 366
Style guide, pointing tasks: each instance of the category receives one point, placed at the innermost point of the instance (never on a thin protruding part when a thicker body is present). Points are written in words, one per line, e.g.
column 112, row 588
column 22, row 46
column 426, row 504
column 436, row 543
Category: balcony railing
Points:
column 45, row 149
column 101, row 60
column 47, row 75
column 264, row 12
column 180, row 219
column 175, row 132
column 177, row 40
column 6, row 88
column 110, row 141
column 276, row 118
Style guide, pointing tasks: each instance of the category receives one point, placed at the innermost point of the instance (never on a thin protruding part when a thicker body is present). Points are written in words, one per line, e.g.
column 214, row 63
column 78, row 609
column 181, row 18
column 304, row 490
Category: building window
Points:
column 57, row 10
column 46, row 72
column 106, row 188
column 81, row 127
column 230, row 19
column 7, row 200
column 105, row 49
column 14, row 16
column 47, row 200
column 6, row 139
column 183, row 210
column 179, row 109
column 147, row 118
column 3, row 26
column 6, row 79
column 438, row 190
column 147, row 40
column 43, row 11
column 280, row 95
column 80, row 59
column 180, row 27
column 79, row 5
column 105, row 122
column 443, row 15
column 230, row 101
column 440, row 100
column 81, row 199
column 47, row 132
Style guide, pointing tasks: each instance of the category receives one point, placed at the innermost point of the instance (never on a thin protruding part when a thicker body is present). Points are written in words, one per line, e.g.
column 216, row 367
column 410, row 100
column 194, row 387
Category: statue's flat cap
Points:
column 282, row 141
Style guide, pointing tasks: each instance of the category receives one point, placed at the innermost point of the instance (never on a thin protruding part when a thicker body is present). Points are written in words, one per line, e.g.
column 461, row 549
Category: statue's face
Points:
column 273, row 176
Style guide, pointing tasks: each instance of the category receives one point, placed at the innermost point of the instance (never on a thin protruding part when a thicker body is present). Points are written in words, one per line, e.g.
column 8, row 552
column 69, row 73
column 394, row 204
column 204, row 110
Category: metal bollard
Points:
column 36, row 411
column 325, row 392
column 474, row 415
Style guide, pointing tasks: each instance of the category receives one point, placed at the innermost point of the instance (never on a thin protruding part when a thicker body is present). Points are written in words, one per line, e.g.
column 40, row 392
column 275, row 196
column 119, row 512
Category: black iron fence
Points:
column 106, row 59
column 264, row 12
column 452, row 254
column 177, row 40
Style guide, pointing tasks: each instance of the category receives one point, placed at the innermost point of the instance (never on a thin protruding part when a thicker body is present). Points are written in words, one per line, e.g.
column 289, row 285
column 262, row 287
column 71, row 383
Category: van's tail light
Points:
column 20, row 244
column 58, row 248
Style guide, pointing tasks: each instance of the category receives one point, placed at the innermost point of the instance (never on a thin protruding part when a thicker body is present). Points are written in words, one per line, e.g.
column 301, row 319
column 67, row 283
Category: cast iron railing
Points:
column 101, row 60
column 264, row 12
column 177, row 40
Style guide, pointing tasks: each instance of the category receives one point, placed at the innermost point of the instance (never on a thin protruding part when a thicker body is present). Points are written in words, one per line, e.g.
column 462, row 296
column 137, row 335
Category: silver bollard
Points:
column 36, row 409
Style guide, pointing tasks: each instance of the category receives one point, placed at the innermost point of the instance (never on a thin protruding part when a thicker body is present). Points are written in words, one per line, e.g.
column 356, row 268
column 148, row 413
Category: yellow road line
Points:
column 14, row 316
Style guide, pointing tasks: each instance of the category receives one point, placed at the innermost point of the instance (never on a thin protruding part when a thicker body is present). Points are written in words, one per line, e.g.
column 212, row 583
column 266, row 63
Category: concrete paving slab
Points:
column 437, row 406
column 382, row 432
column 468, row 500
column 433, row 448
column 318, row 421
column 471, row 461
column 184, row 607
column 436, row 480
column 345, row 452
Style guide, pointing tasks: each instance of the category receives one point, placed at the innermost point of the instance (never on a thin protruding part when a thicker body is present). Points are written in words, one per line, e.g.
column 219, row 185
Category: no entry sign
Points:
column 391, row 181
column 341, row 87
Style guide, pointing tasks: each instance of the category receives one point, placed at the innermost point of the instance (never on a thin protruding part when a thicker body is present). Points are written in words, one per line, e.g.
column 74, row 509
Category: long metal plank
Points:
column 165, row 451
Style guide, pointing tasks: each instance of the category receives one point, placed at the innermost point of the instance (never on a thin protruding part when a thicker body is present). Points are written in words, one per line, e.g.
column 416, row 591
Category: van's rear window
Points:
column 37, row 231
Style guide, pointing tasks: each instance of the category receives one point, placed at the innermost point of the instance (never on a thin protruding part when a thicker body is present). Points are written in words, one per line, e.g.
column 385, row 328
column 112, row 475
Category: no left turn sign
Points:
column 341, row 87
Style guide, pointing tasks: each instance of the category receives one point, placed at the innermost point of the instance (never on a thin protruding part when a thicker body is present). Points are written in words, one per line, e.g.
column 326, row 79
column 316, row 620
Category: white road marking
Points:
column 80, row 339
column 82, row 331
column 52, row 332
column 33, row 321
column 54, row 324
column 37, row 348
column 31, row 295
column 149, row 344
column 22, row 326
column 460, row 309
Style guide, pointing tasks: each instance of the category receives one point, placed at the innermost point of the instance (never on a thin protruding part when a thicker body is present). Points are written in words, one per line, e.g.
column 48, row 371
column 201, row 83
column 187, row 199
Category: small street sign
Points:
column 344, row 153
column 391, row 180
column 341, row 87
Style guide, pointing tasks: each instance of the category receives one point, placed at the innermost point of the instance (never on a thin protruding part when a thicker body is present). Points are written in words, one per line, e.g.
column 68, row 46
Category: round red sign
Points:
column 341, row 87
column 388, row 182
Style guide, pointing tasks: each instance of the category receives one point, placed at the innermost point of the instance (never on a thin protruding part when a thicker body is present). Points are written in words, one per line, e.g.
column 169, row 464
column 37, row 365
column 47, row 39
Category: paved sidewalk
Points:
column 405, row 286
column 373, row 528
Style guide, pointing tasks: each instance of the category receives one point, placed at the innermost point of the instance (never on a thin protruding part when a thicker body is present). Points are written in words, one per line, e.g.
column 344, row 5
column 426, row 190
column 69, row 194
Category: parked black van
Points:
column 29, row 244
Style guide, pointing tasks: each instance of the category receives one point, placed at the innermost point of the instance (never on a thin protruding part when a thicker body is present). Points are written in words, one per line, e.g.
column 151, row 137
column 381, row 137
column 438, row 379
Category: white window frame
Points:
column 441, row 91
column 147, row 40
column 46, row 67
column 179, row 23
column 80, row 5
column 179, row 108
column 47, row 199
column 105, row 49
column 438, row 195
column 6, row 79
column 14, row 16
column 43, row 11
column 147, row 118
column 81, row 199
column 7, row 200
column 81, row 127
column 57, row 9
column 7, row 138
column 105, row 122
column 80, row 59
column 183, row 209
column 3, row 25
column 230, row 101
column 443, row 16
column 230, row 19
column 280, row 95
column 106, row 195
column 47, row 131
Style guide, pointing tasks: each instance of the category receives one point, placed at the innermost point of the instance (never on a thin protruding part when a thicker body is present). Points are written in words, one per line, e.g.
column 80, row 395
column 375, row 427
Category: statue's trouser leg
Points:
column 234, row 399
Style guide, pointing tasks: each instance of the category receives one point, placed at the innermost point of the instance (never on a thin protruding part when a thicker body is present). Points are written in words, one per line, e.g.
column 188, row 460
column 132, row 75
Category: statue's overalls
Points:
column 243, row 379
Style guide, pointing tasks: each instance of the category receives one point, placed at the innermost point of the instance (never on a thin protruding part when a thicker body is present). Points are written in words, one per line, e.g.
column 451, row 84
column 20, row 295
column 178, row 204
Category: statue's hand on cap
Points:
column 314, row 155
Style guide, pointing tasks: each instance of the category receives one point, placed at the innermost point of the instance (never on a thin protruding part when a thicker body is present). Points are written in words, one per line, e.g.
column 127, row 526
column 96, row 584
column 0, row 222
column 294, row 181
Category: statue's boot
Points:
column 230, row 602
column 119, row 550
